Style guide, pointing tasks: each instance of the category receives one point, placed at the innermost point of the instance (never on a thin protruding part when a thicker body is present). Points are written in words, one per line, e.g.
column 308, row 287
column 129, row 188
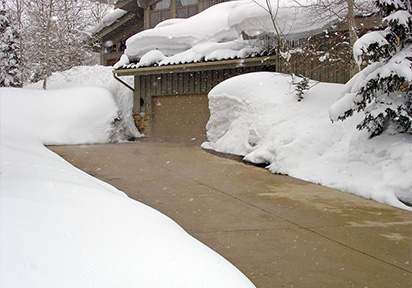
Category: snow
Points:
column 61, row 227
column 395, row 3
column 360, row 48
column 108, row 20
column 293, row 20
column 257, row 116
column 59, row 116
column 216, row 33
column 99, row 76
column 402, row 17
column 124, row 60
column 400, row 65
column 179, row 36
column 151, row 57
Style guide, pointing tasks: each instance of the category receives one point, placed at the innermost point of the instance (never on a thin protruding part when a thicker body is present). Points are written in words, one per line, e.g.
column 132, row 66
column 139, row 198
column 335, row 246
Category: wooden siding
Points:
column 204, row 4
column 117, row 33
column 198, row 82
column 324, row 71
column 175, row 85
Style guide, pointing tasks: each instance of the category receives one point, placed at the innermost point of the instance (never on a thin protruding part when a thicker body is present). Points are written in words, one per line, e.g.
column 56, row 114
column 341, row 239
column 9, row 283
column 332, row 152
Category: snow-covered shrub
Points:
column 301, row 86
column 384, row 88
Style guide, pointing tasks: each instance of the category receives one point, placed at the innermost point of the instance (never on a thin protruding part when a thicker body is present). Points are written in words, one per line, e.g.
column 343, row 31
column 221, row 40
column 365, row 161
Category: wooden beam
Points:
column 201, row 66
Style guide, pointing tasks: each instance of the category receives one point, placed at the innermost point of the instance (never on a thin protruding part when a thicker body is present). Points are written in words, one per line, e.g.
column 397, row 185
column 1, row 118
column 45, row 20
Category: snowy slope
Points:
column 256, row 115
column 60, row 227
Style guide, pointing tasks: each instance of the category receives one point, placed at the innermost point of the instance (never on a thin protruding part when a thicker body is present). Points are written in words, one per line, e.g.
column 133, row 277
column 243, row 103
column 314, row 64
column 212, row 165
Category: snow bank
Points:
column 257, row 116
column 99, row 76
column 61, row 227
column 54, row 117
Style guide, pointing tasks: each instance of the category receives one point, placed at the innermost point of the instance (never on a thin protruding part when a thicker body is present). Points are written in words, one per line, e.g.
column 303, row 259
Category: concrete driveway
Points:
column 279, row 231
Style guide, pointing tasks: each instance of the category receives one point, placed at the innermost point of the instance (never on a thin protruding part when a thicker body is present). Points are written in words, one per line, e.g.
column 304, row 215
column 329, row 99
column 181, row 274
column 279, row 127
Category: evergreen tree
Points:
column 9, row 59
column 384, row 88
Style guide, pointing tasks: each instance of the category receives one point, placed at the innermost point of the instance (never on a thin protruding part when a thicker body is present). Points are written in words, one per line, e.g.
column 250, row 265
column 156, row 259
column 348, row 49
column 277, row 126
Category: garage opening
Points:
column 180, row 118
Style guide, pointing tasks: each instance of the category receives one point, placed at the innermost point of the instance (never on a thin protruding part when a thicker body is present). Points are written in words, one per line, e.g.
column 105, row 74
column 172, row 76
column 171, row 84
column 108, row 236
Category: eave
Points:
column 200, row 66
column 118, row 23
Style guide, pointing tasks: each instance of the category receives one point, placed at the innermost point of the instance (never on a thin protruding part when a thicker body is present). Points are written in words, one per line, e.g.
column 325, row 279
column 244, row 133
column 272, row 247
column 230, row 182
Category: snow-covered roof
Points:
column 216, row 33
column 293, row 19
column 181, row 38
column 108, row 20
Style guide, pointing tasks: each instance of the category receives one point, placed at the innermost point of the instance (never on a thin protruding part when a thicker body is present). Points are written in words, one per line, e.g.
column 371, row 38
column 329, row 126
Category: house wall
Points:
column 322, row 60
column 148, row 87
column 316, row 68
column 180, row 118
column 111, row 55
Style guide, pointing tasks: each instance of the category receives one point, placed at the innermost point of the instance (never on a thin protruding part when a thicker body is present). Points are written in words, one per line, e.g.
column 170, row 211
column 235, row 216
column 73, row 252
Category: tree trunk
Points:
column 47, row 45
column 353, row 36
column 19, row 8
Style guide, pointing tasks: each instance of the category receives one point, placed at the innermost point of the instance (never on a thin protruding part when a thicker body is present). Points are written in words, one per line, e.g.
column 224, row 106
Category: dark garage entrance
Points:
column 180, row 118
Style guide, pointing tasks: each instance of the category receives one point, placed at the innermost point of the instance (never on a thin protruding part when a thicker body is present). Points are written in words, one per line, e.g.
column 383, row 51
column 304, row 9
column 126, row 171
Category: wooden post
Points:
column 136, row 96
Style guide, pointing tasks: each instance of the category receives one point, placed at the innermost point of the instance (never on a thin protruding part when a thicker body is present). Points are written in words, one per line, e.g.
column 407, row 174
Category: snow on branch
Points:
column 372, row 45
column 402, row 17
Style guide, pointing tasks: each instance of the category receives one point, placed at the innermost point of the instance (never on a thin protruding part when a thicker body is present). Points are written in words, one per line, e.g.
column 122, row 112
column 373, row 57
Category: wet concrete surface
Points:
column 279, row 231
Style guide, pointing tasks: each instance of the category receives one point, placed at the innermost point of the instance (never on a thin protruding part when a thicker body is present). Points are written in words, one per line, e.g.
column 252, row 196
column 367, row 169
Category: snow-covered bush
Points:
column 301, row 86
column 384, row 88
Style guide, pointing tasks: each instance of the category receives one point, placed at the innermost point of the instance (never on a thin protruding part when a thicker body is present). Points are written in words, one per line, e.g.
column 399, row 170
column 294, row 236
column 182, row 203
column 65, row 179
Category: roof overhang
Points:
column 107, row 30
column 200, row 66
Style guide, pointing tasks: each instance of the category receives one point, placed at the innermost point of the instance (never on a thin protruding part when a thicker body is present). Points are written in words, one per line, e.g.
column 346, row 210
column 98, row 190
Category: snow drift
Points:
column 257, row 116
column 99, row 76
column 66, row 116
column 60, row 227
